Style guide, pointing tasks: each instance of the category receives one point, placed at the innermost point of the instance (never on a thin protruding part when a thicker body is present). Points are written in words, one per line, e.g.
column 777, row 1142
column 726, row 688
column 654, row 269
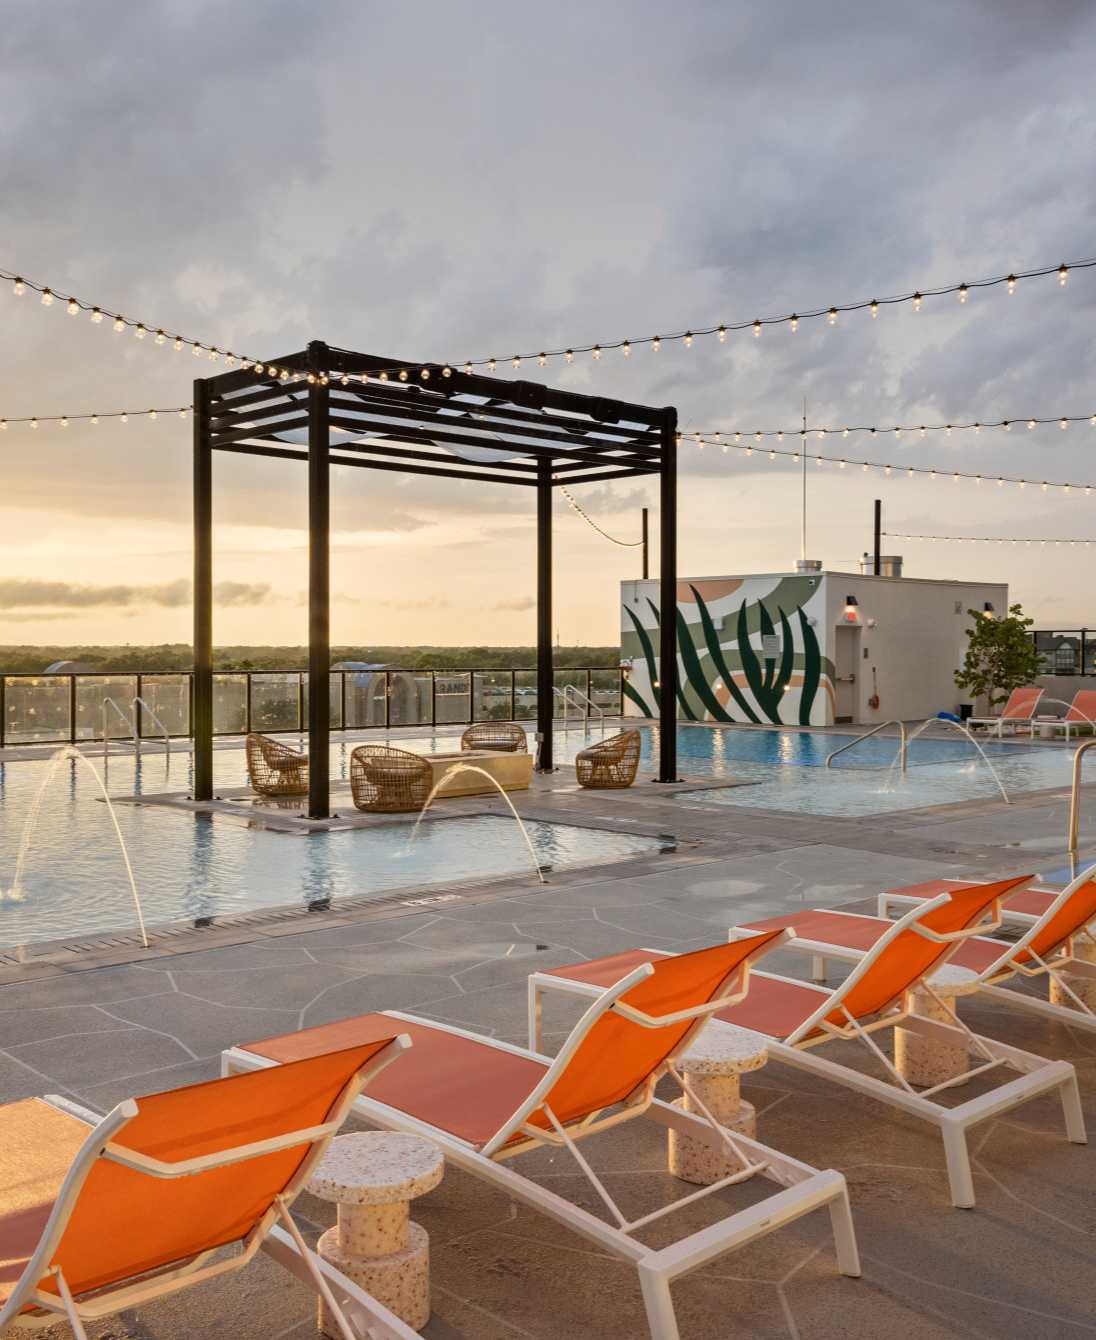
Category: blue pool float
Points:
column 949, row 716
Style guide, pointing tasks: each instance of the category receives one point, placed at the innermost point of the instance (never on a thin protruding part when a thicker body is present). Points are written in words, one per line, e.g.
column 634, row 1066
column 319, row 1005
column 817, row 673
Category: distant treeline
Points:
column 179, row 656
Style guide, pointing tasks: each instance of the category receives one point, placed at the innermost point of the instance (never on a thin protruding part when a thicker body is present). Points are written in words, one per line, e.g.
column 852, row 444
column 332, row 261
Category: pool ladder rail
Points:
column 903, row 743
column 132, row 724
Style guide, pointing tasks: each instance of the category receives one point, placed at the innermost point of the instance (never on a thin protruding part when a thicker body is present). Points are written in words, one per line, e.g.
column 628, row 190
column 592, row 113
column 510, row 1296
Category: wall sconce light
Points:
column 987, row 610
column 851, row 606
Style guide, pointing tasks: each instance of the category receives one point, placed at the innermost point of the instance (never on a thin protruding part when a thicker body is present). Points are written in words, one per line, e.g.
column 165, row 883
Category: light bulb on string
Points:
column 1011, row 285
column 831, row 316
column 95, row 418
column 794, row 323
column 119, row 325
column 18, row 288
column 917, row 301
column 96, row 315
column 873, row 307
column 73, row 307
column 688, row 339
column 47, row 298
column 1063, row 273
column 625, row 349
column 722, row 335
column 756, row 328
column 963, row 291
column 656, row 344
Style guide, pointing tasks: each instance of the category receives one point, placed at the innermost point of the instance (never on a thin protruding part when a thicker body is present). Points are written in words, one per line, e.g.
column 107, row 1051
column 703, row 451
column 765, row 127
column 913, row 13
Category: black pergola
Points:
column 327, row 407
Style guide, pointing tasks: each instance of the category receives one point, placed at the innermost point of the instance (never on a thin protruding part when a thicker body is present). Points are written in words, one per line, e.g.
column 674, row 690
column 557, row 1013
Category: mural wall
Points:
column 749, row 649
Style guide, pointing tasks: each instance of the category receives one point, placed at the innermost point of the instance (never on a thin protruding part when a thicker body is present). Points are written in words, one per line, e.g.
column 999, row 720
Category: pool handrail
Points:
column 581, row 698
column 902, row 745
column 1075, row 794
column 109, row 702
column 139, row 702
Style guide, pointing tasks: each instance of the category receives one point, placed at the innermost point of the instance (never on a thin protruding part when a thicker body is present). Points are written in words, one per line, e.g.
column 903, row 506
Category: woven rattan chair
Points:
column 387, row 780
column 275, row 769
column 611, row 763
column 504, row 737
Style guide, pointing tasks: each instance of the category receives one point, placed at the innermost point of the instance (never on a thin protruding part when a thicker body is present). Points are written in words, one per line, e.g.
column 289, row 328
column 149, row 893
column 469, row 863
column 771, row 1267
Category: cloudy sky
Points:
column 444, row 181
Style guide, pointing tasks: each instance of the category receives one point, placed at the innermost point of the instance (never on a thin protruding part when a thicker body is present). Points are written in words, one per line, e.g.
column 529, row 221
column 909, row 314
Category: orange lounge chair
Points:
column 1046, row 949
column 1082, row 712
column 485, row 1102
column 798, row 1017
column 1019, row 711
column 101, row 1215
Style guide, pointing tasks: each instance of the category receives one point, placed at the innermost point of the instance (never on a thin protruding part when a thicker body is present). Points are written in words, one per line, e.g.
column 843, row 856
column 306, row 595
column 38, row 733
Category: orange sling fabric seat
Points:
column 908, row 958
column 470, row 1088
column 462, row 1086
column 125, row 1223
column 1032, row 902
column 618, row 1055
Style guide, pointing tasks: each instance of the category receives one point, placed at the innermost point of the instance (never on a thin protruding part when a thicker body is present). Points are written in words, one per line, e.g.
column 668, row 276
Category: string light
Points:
column 975, row 425
column 982, row 539
column 74, row 305
column 624, row 544
column 690, row 334
column 63, row 420
column 930, row 470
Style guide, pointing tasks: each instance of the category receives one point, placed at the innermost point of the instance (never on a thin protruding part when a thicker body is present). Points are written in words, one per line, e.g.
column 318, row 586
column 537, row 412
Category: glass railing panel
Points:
column 525, row 695
column 92, row 692
column 410, row 698
column 576, row 707
column 37, row 709
column 276, row 702
column 366, row 694
column 605, row 691
column 452, row 696
column 334, row 716
column 229, row 704
column 491, row 699
column 169, row 697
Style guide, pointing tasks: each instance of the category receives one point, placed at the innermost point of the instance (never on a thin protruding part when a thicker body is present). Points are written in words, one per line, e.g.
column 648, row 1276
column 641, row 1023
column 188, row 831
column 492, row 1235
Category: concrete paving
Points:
column 127, row 1021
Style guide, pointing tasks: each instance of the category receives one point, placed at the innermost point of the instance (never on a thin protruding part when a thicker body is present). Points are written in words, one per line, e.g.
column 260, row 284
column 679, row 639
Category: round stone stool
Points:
column 713, row 1068
column 923, row 1061
column 372, row 1178
column 1084, row 987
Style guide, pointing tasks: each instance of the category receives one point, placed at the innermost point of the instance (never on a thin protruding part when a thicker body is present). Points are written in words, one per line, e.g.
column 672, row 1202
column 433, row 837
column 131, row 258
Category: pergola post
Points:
column 545, row 677
column 202, row 699
column 319, row 585
column 667, row 643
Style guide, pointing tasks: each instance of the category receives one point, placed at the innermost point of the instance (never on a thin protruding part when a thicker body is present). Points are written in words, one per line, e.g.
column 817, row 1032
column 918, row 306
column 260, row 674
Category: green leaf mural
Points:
column 812, row 669
column 694, row 672
column 713, row 658
column 649, row 656
column 715, row 651
column 682, row 701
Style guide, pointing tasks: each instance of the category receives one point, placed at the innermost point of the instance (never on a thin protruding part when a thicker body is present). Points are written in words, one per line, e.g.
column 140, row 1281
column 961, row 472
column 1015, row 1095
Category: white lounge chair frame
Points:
column 995, row 725
column 1035, row 1074
column 357, row 1314
column 804, row 1188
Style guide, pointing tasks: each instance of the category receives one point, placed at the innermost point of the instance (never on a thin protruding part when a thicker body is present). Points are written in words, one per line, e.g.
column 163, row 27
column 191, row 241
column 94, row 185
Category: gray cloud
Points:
column 30, row 594
column 778, row 157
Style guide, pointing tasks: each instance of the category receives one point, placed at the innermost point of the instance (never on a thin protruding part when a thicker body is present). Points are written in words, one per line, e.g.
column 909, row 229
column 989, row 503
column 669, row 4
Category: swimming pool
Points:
column 193, row 868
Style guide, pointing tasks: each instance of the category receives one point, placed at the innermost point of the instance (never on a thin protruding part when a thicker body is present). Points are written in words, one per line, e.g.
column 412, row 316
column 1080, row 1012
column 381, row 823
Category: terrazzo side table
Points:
column 714, row 1067
column 372, row 1177
column 923, row 1061
column 1084, row 987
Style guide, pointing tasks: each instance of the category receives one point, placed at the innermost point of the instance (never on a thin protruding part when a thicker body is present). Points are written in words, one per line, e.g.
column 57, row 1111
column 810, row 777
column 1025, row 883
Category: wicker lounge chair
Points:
column 611, row 763
column 387, row 780
column 504, row 737
column 274, row 768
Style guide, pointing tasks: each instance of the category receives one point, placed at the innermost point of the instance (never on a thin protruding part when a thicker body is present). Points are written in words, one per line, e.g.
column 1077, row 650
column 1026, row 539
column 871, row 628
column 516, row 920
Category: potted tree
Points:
column 1000, row 656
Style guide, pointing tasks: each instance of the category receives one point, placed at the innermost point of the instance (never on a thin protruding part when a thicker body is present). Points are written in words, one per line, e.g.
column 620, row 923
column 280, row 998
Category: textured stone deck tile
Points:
column 73, row 1062
column 203, row 1027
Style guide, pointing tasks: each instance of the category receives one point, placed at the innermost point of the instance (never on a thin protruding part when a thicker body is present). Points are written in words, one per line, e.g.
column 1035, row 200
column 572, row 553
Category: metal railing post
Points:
column 903, row 746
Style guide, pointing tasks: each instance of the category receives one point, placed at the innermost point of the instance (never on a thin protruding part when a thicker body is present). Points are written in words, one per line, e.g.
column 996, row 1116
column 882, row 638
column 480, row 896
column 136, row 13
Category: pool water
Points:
column 195, row 867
